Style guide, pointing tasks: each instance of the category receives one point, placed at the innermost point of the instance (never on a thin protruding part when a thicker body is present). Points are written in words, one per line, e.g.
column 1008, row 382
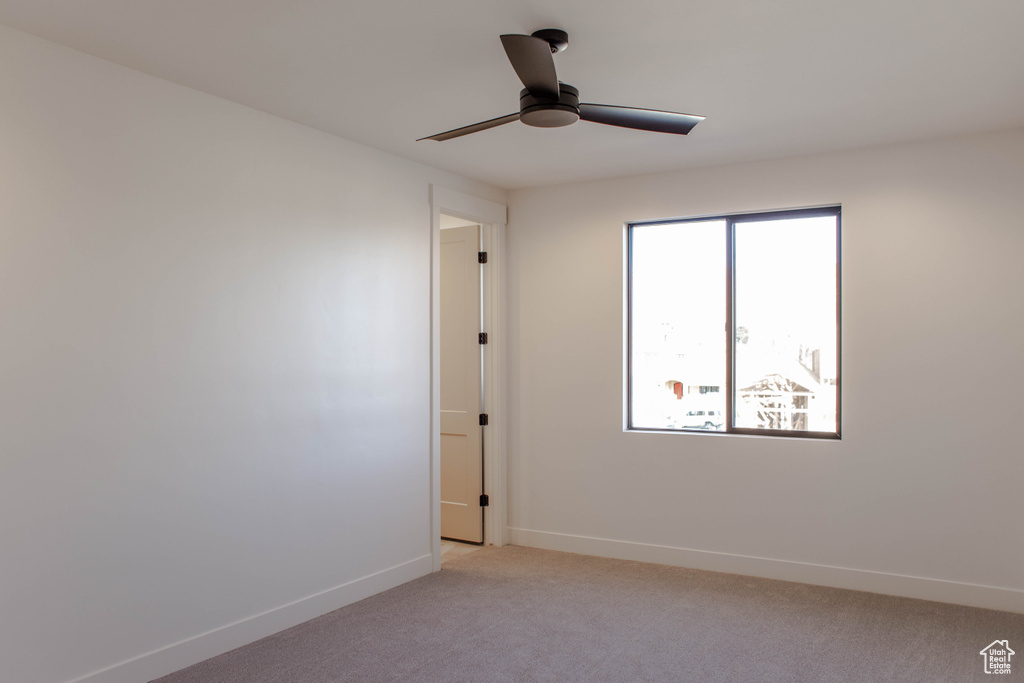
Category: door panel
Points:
column 461, row 439
column 454, row 484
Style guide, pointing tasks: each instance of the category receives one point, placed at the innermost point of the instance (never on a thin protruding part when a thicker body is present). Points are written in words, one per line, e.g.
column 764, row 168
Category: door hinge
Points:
column 483, row 419
column 481, row 256
column 484, row 500
column 483, row 337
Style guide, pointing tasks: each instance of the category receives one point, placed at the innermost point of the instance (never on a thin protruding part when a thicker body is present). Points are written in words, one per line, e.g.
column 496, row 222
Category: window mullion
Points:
column 730, row 336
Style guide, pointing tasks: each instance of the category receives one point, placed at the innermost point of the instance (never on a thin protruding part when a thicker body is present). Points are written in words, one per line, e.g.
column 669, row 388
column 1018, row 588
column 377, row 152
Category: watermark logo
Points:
column 997, row 657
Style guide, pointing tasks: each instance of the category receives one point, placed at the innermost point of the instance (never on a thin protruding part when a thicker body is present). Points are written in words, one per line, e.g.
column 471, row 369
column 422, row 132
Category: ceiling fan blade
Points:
column 640, row 119
column 531, row 58
column 476, row 127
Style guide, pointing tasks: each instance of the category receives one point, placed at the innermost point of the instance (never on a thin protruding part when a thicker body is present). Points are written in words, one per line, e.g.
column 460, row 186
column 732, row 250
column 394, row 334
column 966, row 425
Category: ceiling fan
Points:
column 546, row 102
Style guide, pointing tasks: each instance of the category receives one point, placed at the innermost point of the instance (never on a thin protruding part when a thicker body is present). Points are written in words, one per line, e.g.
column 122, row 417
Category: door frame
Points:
column 492, row 218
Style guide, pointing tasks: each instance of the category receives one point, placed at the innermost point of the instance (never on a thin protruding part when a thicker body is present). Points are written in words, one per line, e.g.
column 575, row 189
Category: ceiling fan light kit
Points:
column 546, row 102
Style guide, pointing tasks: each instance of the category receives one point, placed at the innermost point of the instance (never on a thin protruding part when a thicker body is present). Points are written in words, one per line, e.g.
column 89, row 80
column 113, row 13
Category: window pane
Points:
column 785, row 321
column 678, row 324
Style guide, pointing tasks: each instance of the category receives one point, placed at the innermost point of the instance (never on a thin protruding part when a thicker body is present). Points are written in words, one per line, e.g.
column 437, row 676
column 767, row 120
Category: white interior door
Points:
column 461, row 438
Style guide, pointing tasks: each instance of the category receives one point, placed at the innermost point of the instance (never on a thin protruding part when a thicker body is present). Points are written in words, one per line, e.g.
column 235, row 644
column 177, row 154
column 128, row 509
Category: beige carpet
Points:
column 522, row 615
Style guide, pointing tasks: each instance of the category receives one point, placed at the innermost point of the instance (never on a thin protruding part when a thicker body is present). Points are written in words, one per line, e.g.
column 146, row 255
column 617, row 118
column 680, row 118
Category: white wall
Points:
column 928, row 480
column 214, row 369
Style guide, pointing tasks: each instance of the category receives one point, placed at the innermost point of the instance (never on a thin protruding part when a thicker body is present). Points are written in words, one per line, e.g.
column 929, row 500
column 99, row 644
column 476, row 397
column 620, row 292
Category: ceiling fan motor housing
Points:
column 544, row 112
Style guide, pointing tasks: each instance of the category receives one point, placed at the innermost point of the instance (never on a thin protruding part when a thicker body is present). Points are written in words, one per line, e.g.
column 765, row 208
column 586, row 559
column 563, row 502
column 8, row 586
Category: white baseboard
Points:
column 974, row 595
column 192, row 650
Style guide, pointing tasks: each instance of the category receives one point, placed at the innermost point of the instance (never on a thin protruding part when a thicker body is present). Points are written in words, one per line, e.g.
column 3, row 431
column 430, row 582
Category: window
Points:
column 733, row 324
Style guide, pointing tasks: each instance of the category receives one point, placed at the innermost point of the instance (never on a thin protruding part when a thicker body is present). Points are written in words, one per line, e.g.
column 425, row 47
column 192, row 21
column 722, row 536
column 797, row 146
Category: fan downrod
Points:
column 555, row 37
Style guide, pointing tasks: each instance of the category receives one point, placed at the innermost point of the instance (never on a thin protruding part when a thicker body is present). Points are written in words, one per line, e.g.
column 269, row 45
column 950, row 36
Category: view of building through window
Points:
column 779, row 332
column 678, row 332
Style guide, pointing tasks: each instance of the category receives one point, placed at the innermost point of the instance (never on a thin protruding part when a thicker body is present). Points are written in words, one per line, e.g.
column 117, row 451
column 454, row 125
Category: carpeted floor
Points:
column 524, row 615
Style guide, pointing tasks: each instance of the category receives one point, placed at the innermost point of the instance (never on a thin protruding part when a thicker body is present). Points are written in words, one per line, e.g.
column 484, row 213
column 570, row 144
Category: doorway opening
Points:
column 487, row 490
column 463, row 420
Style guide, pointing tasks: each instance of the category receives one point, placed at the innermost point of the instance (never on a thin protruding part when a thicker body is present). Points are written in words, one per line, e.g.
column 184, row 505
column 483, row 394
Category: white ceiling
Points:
column 774, row 77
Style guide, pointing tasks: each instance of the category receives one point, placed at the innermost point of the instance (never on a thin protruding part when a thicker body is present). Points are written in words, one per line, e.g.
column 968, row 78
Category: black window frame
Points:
column 730, row 303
